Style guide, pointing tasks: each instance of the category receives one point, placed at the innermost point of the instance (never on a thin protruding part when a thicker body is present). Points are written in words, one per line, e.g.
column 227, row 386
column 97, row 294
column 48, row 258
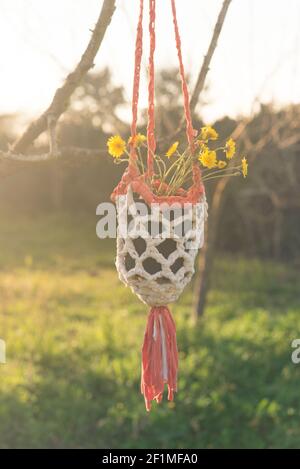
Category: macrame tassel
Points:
column 159, row 356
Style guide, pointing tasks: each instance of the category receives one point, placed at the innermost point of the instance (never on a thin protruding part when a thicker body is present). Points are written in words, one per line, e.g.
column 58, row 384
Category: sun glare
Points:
column 255, row 59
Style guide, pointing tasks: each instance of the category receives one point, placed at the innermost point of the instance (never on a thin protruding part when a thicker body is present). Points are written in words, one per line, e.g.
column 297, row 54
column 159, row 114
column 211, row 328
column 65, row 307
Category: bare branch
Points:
column 205, row 66
column 62, row 95
column 64, row 152
column 11, row 163
column 210, row 52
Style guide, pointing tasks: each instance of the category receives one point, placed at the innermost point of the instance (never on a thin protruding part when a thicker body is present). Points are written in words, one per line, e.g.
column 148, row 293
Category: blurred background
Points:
column 72, row 375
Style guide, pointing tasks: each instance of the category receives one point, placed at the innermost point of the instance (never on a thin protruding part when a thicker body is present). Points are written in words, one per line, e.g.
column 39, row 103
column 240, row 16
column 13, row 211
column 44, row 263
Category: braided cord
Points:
column 151, row 116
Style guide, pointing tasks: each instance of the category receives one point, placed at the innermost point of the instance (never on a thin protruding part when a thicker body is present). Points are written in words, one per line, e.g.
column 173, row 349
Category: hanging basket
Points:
column 157, row 268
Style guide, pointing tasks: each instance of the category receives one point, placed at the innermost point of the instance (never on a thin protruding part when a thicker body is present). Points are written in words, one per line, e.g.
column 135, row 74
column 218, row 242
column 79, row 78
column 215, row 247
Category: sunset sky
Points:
column 258, row 52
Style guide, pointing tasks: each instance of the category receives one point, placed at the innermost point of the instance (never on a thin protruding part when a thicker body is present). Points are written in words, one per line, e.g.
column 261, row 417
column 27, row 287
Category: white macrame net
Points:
column 157, row 269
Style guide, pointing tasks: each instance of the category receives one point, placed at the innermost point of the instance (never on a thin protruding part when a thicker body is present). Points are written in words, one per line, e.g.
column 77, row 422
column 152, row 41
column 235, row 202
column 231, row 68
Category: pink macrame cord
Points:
column 186, row 98
column 136, row 82
column 140, row 183
column 151, row 113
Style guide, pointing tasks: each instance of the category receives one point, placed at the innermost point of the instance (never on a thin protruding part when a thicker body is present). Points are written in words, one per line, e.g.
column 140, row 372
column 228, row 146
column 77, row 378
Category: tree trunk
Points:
column 207, row 254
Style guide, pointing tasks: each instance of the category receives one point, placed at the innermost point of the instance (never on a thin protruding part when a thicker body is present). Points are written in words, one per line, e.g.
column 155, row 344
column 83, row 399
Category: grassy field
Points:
column 74, row 333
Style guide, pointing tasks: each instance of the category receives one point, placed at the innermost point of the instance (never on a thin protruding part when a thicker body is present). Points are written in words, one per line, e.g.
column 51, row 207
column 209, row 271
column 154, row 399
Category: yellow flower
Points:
column 230, row 148
column 222, row 164
column 244, row 167
column 116, row 146
column 208, row 133
column 138, row 139
column 208, row 158
column 172, row 149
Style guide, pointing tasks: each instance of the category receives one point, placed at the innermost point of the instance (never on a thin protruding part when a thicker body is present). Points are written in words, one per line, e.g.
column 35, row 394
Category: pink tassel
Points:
column 159, row 356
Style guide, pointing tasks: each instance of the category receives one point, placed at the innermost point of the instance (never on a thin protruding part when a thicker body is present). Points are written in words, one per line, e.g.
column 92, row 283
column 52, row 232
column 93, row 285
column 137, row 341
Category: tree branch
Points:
column 11, row 163
column 207, row 58
column 64, row 152
column 205, row 67
column 62, row 95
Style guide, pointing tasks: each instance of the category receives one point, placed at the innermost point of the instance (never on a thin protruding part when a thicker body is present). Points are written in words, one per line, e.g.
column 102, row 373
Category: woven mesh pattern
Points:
column 158, row 269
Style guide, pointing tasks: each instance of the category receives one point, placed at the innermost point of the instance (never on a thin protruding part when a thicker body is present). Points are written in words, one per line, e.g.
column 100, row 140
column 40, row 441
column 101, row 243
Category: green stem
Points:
column 221, row 176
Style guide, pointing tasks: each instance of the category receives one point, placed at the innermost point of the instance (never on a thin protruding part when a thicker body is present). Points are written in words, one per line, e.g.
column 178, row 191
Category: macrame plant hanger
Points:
column 159, row 353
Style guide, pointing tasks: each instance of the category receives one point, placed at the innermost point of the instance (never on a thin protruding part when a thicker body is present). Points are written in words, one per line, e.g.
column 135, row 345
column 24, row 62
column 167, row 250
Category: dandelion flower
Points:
column 230, row 148
column 222, row 164
column 208, row 158
column 245, row 167
column 116, row 146
column 208, row 133
column 172, row 149
column 138, row 139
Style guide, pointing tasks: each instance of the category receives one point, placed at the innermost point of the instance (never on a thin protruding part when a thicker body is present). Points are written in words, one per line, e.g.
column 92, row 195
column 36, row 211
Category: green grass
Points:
column 73, row 334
